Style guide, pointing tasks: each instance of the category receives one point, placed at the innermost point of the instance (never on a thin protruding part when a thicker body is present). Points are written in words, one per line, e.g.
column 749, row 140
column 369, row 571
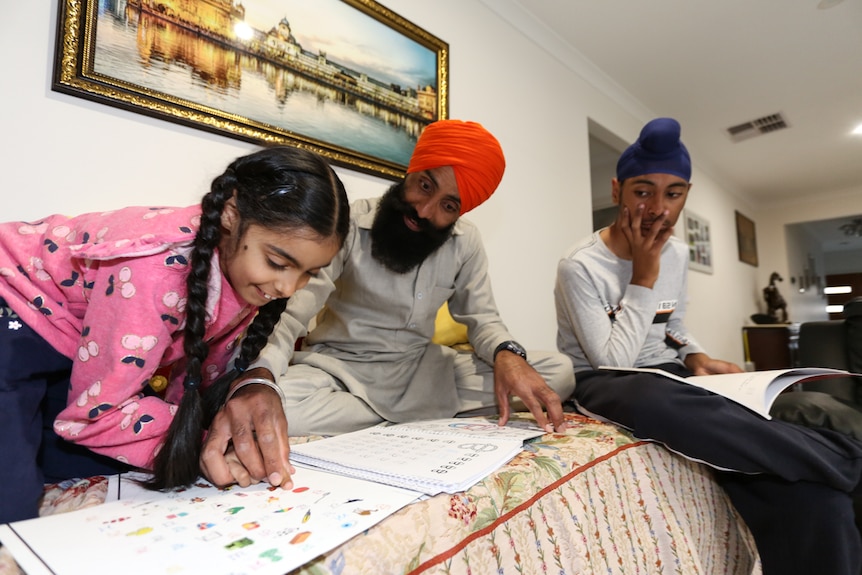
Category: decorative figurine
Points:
column 774, row 300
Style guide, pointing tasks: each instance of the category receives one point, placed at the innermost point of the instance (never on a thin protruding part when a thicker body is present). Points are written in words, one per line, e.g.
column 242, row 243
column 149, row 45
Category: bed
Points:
column 592, row 500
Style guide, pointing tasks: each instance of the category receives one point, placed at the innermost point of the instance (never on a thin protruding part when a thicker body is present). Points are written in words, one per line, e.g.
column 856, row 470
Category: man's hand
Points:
column 252, row 428
column 702, row 364
column 514, row 376
column 646, row 245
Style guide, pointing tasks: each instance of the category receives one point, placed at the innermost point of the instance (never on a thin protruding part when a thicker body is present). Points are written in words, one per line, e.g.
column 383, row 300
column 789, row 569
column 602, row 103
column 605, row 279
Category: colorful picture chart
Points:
column 254, row 530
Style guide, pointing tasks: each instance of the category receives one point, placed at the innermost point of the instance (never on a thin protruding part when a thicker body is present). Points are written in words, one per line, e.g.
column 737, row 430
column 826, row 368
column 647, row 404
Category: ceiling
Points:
column 715, row 65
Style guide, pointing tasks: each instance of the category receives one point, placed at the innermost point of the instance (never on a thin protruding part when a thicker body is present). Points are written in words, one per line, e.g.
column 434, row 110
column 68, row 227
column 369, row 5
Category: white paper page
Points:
column 259, row 529
column 24, row 557
column 756, row 390
column 422, row 459
column 483, row 427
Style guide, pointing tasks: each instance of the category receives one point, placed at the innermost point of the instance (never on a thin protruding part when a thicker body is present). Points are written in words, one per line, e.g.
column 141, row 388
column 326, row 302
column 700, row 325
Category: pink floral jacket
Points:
column 108, row 291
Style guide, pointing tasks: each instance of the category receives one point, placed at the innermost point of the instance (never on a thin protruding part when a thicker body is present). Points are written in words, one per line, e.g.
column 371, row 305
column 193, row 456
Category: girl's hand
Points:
column 240, row 474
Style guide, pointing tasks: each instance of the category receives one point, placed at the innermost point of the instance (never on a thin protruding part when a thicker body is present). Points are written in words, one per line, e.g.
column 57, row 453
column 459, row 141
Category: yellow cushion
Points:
column 447, row 331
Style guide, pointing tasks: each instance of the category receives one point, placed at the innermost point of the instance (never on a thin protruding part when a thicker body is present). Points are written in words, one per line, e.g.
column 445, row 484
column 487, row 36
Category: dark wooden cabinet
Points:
column 771, row 346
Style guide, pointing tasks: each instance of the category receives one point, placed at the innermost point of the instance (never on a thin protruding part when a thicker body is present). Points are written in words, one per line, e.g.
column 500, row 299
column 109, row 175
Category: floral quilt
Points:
column 592, row 500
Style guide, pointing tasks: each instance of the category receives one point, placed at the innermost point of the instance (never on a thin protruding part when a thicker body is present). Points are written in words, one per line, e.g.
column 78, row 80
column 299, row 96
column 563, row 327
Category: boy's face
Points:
column 656, row 192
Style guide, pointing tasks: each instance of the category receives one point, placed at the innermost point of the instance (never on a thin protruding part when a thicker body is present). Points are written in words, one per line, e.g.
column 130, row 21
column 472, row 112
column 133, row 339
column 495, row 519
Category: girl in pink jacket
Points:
column 125, row 317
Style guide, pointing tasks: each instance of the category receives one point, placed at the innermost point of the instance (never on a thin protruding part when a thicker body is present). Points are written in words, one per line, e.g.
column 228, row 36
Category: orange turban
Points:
column 470, row 149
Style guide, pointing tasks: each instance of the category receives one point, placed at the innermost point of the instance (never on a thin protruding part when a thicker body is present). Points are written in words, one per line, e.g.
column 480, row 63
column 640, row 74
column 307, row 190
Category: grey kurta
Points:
column 373, row 339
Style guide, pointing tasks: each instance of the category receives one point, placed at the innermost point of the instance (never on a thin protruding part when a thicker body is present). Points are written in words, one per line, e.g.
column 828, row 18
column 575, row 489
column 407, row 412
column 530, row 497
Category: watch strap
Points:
column 512, row 346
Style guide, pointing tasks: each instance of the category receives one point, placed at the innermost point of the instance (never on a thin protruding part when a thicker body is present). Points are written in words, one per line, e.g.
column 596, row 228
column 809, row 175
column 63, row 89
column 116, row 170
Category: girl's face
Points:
column 263, row 265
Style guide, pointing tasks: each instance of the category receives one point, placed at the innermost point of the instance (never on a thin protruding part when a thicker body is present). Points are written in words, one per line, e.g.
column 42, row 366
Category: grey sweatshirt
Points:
column 603, row 320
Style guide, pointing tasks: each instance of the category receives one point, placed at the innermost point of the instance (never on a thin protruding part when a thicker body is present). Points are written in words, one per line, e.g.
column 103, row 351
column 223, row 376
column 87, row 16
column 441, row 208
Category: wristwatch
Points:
column 512, row 346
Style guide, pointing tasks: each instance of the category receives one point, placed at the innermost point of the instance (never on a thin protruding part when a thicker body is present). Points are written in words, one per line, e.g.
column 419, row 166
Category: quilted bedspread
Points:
column 592, row 500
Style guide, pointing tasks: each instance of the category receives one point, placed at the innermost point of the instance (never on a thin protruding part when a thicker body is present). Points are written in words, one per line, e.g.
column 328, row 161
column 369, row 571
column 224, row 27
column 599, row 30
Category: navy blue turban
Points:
column 658, row 150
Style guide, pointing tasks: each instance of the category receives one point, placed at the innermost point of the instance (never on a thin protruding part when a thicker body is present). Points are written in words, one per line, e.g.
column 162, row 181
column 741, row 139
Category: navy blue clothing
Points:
column 34, row 381
column 795, row 485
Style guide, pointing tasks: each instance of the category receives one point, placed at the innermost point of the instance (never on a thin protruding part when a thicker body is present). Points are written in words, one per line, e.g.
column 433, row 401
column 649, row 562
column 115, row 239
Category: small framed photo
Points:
column 699, row 240
column 746, row 240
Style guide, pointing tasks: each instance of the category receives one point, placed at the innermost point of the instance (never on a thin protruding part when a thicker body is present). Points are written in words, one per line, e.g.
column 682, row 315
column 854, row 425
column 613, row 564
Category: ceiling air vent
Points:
column 757, row 127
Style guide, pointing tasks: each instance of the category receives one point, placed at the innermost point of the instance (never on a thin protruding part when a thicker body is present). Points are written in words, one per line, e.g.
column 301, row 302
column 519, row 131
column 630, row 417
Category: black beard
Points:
column 393, row 244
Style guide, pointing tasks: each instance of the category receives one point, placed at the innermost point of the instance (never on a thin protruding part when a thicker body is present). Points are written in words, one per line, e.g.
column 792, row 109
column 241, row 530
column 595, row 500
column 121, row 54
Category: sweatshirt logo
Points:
column 664, row 311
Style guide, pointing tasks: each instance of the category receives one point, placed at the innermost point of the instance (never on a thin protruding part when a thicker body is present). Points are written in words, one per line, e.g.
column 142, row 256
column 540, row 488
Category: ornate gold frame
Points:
column 74, row 74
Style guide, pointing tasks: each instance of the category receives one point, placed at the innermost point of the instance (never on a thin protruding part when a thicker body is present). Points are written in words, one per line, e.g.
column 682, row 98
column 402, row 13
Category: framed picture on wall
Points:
column 746, row 240
column 349, row 79
column 699, row 241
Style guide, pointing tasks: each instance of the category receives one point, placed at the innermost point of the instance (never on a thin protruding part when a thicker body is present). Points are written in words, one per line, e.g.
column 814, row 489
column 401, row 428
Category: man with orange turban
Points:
column 474, row 154
column 370, row 358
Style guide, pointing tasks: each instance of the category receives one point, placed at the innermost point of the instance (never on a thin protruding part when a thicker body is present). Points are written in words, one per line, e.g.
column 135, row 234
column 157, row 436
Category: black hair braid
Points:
column 255, row 338
column 259, row 331
column 177, row 464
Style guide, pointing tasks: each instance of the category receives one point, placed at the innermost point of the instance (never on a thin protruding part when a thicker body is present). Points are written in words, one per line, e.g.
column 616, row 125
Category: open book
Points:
column 258, row 529
column 756, row 390
column 447, row 455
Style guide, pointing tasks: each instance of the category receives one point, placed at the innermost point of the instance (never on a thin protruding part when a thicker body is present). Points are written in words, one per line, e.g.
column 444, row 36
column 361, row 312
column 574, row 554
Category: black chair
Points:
column 836, row 344
column 833, row 403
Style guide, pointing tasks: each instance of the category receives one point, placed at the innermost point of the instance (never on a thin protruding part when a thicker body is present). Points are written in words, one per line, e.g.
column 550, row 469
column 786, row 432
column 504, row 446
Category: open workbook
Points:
column 756, row 390
column 258, row 529
column 369, row 475
column 439, row 456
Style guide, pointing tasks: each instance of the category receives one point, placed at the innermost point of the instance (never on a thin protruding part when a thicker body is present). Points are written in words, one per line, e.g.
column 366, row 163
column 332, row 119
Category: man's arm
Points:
column 514, row 376
column 473, row 304
column 303, row 306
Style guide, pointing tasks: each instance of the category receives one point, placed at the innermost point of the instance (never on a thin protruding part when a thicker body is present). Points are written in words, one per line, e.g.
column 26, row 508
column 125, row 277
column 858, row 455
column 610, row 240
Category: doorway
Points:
column 825, row 263
column 605, row 149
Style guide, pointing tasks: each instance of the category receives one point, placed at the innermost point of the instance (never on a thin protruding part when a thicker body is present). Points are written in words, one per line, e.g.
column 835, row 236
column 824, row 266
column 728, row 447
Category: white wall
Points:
column 65, row 154
column 842, row 262
column 720, row 303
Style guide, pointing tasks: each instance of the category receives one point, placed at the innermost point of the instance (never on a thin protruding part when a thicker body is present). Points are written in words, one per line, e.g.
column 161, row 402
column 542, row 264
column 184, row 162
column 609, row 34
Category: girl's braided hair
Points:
column 283, row 189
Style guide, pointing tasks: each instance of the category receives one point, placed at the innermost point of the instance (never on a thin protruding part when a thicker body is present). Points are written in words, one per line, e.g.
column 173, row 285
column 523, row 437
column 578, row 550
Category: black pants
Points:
column 795, row 485
column 34, row 383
